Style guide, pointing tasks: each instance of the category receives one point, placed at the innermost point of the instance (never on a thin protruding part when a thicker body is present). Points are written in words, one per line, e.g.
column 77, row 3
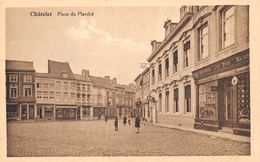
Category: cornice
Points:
column 200, row 19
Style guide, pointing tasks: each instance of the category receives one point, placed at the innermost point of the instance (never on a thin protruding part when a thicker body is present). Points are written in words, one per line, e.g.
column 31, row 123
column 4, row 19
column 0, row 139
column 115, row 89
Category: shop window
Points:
column 176, row 100
column 175, row 61
column 13, row 78
column 11, row 111
column 188, row 98
column 228, row 31
column 208, row 100
column 186, row 54
column 48, row 112
column 203, row 42
column 85, row 111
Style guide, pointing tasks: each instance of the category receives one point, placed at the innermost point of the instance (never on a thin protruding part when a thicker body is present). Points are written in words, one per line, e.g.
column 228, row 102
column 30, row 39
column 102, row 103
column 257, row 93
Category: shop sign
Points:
column 225, row 64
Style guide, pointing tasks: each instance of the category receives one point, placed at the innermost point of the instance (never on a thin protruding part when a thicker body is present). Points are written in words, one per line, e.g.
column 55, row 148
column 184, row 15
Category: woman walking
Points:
column 124, row 120
column 116, row 124
column 137, row 123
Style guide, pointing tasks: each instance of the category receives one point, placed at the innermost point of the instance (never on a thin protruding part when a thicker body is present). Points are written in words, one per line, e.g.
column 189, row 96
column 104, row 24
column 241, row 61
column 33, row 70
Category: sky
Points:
column 113, row 42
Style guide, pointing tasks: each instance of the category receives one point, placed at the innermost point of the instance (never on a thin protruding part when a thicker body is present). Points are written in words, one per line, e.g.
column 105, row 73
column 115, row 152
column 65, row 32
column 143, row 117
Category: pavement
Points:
column 224, row 135
column 98, row 138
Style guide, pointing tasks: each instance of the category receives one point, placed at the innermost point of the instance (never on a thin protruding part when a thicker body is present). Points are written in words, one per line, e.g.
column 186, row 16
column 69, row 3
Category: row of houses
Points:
column 61, row 94
column 199, row 75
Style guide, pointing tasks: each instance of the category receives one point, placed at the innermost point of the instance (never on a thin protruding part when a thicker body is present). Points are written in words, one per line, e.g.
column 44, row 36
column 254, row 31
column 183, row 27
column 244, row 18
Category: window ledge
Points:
column 223, row 50
column 203, row 60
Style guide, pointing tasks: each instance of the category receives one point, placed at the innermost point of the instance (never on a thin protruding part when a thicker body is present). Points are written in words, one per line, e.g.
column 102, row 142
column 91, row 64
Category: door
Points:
column 31, row 112
column 78, row 113
column 24, row 111
column 225, row 103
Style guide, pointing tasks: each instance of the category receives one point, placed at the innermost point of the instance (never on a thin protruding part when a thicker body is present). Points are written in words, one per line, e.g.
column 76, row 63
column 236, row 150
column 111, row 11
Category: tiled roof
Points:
column 80, row 77
column 57, row 68
column 101, row 82
column 19, row 65
column 129, row 88
column 43, row 75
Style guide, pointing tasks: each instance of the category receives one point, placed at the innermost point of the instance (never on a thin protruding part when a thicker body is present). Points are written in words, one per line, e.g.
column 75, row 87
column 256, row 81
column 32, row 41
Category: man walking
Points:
column 116, row 124
column 137, row 123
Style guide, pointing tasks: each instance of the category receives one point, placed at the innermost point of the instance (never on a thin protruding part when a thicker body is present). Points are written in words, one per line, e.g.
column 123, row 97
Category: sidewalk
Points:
column 223, row 135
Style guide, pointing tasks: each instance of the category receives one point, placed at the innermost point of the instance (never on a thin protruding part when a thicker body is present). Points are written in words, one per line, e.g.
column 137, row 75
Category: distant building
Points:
column 20, row 90
column 129, row 110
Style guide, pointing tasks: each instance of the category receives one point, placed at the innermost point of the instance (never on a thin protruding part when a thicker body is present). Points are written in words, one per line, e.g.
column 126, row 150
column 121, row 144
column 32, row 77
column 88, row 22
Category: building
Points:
column 20, row 90
column 172, row 88
column 104, row 95
column 129, row 101
column 84, row 90
column 221, row 73
column 143, row 94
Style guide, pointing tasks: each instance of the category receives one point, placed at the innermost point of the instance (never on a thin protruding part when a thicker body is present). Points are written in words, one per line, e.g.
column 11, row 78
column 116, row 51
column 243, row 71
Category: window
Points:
column 72, row 97
column 78, row 86
column 175, row 61
column 58, row 96
column 228, row 27
column 203, row 42
column 48, row 111
column 51, row 94
column 188, row 98
column 45, row 95
column 13, row 92
column 51, row 85
column 45, row 85
column 39, row 85
column 39, row 94
column 160, row 72
column 27, row 92
column 58, row 84
column 65, row 75
column 65, row 85
column 88, row 98
column 88, row 87
column 186, row 54
column 160, row 102
column 83, row 86
column 65, row 96
column 27, row 78
column 167, row 101
column 13, row 78
column 167, row 67
column 72, row 85
column 153, row 77
column 176, row 100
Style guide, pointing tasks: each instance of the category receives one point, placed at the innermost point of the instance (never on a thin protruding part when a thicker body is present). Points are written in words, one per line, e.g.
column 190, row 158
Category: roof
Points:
column 43, row 75
column 19, row 65
column 81, row 77
column 57, row 68
column 101, row 82
column 129, row 88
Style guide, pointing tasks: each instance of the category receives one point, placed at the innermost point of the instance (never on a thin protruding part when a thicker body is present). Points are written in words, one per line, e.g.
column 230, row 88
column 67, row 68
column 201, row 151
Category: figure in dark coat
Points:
column 124, row 120
column 137, row 123
column 116, row 124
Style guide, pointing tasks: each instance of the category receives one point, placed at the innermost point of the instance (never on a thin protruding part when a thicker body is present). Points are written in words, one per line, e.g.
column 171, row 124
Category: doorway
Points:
column 225, row 103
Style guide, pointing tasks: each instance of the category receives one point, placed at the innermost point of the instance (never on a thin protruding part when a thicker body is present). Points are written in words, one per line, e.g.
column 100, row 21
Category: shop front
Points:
column 223, row 95
column 66, row 112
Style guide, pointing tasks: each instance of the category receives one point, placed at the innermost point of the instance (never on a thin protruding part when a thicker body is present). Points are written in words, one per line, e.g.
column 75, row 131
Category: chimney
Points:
column 155, row 45
column 85, row 73
column 107, row 78
column 169, row 26
column 114, row 80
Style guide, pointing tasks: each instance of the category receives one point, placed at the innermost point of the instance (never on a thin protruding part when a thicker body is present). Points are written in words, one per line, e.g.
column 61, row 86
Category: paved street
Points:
column 97, row 138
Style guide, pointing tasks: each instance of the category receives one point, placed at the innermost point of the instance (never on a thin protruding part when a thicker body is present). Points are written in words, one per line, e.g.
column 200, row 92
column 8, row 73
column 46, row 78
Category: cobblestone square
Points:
column 98, row 138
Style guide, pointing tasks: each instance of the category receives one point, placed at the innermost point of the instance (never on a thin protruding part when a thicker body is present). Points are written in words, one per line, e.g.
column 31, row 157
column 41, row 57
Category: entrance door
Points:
column 225, row 102
column 78, row 113
column 24, row 111
column 31, row 112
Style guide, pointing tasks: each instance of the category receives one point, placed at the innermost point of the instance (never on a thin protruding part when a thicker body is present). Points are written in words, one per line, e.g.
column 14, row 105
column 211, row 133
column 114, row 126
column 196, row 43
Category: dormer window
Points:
column 64, row 74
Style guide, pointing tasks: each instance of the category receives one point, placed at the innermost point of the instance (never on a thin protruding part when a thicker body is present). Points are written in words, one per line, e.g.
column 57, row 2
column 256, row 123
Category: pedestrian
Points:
column 105, row 118
column 129, row 120
column 137, row 123
column 124, row 120
column 116, row 124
